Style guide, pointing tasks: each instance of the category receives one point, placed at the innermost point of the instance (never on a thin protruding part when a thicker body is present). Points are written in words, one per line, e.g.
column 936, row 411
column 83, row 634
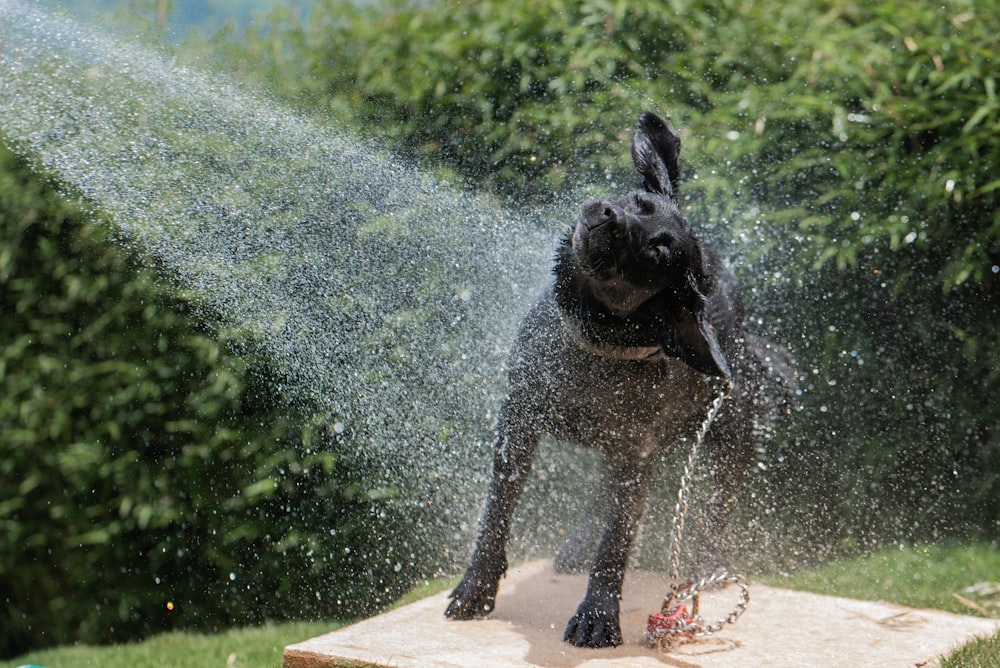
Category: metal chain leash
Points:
column 674, row 623
column 680, row 510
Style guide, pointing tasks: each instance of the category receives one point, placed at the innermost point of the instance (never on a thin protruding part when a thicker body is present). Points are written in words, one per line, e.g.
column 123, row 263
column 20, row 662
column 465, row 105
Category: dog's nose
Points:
column 599, row 212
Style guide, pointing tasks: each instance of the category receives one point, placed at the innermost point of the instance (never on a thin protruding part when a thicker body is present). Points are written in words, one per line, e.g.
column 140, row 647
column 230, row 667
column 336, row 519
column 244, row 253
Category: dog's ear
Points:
column 693, row 340
column 655, row 148
column 690, row 336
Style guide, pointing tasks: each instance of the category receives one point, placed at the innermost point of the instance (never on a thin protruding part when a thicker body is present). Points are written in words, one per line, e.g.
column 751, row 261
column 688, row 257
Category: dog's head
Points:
column 639, row 260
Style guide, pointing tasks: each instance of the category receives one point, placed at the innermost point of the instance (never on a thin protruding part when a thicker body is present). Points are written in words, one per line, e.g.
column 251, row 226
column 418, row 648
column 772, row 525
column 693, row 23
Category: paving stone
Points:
column 781, row 628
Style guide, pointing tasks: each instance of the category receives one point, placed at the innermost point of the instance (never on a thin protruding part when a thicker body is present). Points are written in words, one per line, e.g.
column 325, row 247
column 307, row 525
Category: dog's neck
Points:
column 619, row 296
column 609, row 350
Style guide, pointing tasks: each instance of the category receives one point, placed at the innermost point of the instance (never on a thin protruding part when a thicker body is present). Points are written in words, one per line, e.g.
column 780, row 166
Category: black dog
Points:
column 622, row 354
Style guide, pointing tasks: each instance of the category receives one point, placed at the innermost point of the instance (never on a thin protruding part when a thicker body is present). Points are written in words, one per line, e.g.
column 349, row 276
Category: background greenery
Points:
column 846, row 154
column 147, row 458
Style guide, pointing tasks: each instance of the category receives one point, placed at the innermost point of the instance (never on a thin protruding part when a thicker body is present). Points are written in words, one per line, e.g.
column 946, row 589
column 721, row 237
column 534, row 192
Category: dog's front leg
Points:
column 475, row 595
column 596, row 621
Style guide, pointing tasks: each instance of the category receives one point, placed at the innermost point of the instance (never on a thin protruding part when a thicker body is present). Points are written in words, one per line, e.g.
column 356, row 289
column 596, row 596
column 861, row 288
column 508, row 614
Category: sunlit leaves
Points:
column 884, row 104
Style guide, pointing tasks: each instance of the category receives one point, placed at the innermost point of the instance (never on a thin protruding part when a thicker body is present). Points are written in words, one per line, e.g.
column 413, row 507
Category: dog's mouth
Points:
column 598, row 250
column 593, row 255
column 597, row 235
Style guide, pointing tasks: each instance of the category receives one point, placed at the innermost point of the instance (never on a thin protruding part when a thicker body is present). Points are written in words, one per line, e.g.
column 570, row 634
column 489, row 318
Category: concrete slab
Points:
column 780, row 628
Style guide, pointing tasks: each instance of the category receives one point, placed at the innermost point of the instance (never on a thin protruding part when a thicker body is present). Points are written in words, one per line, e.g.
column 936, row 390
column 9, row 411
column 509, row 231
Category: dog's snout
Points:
column 600, row 212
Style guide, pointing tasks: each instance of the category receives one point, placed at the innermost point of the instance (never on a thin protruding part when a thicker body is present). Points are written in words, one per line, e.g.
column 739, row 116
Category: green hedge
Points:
column 146, row 458
column 845, row 153
column 820, row 110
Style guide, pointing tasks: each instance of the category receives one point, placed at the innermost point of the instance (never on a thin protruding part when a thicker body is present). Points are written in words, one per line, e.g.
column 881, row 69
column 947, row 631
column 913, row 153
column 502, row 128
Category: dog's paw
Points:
column 474, row 597
column 594, row 626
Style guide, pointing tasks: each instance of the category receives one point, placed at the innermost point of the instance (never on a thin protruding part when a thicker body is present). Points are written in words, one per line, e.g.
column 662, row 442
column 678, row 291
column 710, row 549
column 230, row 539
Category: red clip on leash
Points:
column 675, row 625
column 671, row 627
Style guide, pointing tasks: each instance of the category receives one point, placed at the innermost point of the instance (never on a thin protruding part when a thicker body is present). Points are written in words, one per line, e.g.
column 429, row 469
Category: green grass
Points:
column 259, row 647
column 925, row 576
column 928, row 576
column 982, row 653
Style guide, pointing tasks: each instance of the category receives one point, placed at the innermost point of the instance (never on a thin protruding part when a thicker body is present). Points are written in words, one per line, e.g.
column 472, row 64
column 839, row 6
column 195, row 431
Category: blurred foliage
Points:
column 847, row 152
column 147, row 461
column 857, row 125
column 853, row 148
column 922, row 576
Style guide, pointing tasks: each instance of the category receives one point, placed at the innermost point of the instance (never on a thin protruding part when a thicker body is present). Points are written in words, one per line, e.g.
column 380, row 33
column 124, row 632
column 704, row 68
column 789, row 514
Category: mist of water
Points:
column 385, row 297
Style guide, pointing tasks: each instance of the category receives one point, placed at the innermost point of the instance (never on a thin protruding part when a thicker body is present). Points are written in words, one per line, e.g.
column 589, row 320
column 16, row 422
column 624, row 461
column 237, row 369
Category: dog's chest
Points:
column 595, row 399
column 600, row 401
column 611, row 393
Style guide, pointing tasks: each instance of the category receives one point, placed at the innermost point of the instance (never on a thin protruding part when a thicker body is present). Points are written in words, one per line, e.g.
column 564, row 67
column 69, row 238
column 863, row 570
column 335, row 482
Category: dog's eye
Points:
column 661, row 246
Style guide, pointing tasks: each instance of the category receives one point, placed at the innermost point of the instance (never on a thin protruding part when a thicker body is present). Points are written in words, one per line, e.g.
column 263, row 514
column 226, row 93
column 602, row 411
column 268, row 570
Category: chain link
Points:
column 691, row 590
column 688, row 627
column 680, row 510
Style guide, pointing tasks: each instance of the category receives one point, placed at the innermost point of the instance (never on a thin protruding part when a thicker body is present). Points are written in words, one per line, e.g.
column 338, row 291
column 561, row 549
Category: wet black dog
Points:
column 623, row 355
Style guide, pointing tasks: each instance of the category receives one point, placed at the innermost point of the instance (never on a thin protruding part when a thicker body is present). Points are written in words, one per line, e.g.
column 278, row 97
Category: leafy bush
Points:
column 848, row 152
column 820, row 110
column 152, row 477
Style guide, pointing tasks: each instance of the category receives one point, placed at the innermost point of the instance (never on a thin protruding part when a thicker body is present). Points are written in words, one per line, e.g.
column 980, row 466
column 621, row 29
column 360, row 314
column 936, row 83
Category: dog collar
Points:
column 611, row 351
